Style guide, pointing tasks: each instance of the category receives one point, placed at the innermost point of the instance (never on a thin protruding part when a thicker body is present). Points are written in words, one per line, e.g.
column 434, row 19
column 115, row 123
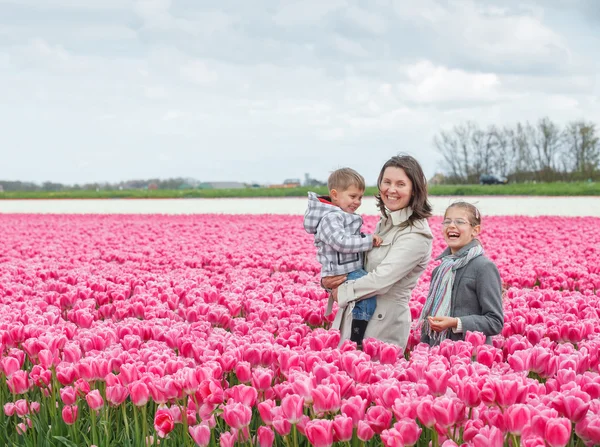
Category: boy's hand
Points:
column 377, row 241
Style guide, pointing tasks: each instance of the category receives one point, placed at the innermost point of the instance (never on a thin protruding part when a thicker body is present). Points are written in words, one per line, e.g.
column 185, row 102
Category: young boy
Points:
column 340, row 244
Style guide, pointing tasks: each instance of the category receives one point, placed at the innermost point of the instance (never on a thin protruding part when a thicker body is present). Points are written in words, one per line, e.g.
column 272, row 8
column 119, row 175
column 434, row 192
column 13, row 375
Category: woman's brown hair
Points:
column 418, row 202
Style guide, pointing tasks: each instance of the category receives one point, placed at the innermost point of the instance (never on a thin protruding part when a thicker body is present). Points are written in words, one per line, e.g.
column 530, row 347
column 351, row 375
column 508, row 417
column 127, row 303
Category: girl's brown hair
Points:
column 474, row 214
column 418, row 202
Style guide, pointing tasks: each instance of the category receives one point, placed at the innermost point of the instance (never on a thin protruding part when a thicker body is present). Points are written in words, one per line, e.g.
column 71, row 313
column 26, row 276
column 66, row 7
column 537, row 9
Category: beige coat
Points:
column 393, row 270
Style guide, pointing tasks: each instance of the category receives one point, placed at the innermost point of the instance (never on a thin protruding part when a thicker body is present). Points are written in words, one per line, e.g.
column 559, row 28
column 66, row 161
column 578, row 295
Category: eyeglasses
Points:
column 457, row 222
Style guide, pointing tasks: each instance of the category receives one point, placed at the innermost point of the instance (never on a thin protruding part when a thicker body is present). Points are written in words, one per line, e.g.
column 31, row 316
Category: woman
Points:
column 395, row 266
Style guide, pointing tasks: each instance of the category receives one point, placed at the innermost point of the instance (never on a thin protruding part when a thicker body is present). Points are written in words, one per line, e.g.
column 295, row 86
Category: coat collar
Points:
column 467, row 247
column 400, row 216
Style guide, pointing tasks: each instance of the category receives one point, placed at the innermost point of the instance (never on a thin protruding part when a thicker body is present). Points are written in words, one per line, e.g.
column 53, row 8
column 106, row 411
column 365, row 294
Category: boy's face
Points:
column 348, row 200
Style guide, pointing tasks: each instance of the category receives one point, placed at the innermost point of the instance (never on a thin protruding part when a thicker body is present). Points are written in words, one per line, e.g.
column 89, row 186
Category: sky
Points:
column 264, row 90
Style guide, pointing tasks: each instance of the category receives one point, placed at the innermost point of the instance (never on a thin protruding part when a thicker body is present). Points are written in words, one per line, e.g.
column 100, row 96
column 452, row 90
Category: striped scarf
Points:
column 439, row 299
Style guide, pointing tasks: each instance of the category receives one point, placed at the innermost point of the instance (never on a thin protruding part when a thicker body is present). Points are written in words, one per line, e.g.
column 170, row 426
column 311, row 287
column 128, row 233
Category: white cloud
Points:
column 302, row 87
column 293, row 13
column 431, row 84
column 198, row 72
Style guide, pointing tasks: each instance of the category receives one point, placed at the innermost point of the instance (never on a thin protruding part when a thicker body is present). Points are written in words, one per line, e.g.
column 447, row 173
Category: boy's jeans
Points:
column 363, row 309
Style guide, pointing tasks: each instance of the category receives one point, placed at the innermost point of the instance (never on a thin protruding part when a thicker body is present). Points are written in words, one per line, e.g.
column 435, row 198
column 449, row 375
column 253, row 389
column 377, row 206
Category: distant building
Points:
column 221, row 185
column 292, row 182
column 152, row 187
column 288, row 183
column 308, row 181
column 437, row 179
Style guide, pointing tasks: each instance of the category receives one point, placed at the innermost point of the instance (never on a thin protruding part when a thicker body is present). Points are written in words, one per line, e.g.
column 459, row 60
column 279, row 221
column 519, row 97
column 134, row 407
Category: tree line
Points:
column 542, row 152
column 153, row 183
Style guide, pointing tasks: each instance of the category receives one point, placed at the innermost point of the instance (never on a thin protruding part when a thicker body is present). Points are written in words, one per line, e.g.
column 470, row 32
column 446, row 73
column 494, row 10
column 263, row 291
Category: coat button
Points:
column 379, row 316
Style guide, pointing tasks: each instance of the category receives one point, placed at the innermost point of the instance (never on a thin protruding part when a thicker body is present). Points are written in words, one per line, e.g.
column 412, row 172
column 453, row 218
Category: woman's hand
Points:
column 333, row 282
column 439, row 324
column 334, row 294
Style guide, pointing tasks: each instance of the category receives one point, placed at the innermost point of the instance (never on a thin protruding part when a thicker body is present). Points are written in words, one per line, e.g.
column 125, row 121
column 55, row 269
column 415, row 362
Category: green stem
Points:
column 434, row 438
column 144, row 426
column 136, row 422
column 94, row 432
column 125, row 421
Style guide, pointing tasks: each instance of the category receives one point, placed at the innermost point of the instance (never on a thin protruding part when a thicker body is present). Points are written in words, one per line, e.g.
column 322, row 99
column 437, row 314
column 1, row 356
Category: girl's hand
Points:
column 334, row 294
column 439, row 324
column 333, row 282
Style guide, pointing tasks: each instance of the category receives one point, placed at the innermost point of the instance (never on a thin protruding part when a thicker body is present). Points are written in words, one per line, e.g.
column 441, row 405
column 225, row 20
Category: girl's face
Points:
column 457, row 229
column 395, row 189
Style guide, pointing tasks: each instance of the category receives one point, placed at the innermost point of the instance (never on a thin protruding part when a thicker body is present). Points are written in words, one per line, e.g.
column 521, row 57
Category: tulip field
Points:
column 208, row 330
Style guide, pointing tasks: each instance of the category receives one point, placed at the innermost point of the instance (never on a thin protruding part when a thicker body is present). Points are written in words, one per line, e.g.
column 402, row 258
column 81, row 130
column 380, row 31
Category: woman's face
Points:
column 395, row 188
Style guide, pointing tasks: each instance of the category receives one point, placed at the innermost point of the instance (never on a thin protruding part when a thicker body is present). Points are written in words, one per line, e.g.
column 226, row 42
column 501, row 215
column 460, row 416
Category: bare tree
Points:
column 503, row 159
column 582, row 149
column 460, row 149
column 447, row 146
column 546, row 139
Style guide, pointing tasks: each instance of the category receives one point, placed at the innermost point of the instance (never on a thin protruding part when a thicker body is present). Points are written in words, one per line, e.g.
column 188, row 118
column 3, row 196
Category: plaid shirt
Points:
column 340, row 244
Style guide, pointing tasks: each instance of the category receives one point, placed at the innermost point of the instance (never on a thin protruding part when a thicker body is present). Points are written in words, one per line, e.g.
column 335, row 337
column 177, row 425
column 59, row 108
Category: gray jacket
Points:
column 476, row 297
column 340, row 244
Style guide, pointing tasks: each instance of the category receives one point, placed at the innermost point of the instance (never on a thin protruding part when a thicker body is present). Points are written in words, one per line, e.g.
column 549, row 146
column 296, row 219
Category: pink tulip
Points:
column 265, row 410
column 243, row 394
column 408, row 430
column 364, row 431
column 557, row 432
column 516, row 417
column 388, row 354
column 292, row 407
column 342, row 428
column 66, row 375
column 237, row 415
column 354, row 407
column 475, row 338
column 243, row 371
column 116, row 394
column 472, row 429
column 488, row 437
column 320, row 432
column 326, row 399
column 227, row 439
column 69, row 414
column 9, row 409
column 200, row 434
column 378, row 418
column 68, row 395
column 437, row 379
column 265, row 436
column 18, row 382
column 94, row 400
column 163, row 422
column 282, row 425
column 262, row 378
column 448, row 411
column 139, row 393
column 10, row 365
column 425, row 412
column 22, row 407
column 82, row 387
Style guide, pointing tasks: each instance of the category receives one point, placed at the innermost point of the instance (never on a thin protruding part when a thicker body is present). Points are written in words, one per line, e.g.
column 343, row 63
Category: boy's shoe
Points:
column 357, row 333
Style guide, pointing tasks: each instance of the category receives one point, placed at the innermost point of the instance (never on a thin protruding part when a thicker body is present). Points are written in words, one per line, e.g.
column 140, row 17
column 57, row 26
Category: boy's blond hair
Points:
column 344, row 178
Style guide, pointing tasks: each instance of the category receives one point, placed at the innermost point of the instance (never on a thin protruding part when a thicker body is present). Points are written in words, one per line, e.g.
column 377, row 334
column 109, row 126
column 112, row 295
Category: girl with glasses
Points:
column 465, row 293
